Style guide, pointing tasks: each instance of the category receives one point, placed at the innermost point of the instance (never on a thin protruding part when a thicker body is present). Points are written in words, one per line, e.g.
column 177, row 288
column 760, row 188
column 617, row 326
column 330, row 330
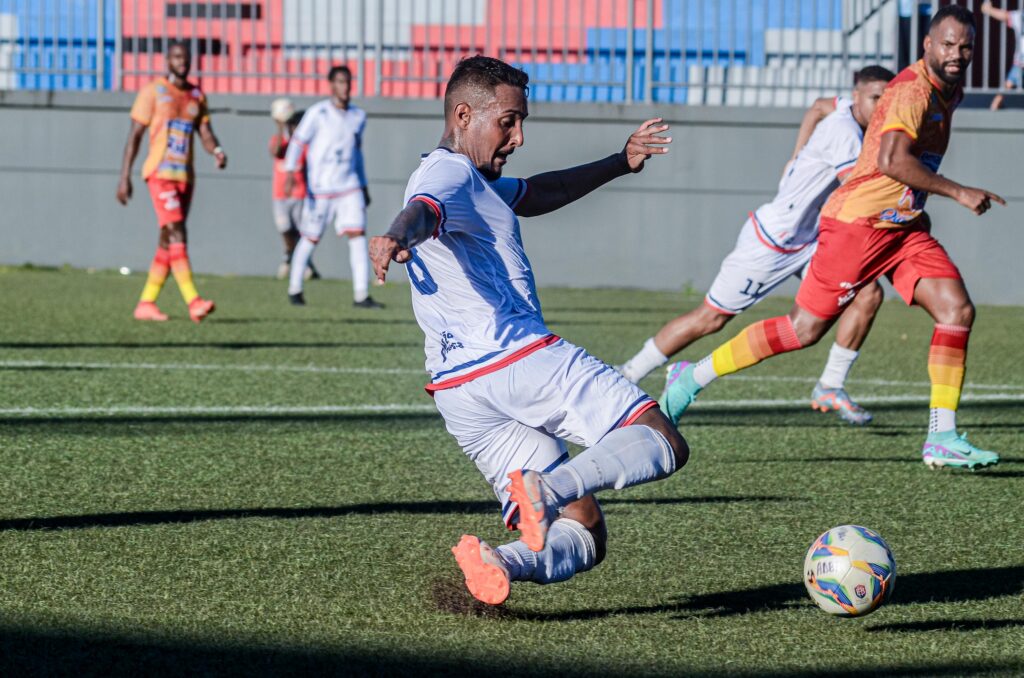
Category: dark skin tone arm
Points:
column 896, row 161
column 276, row 147
column 131, row 149
column 210, row 143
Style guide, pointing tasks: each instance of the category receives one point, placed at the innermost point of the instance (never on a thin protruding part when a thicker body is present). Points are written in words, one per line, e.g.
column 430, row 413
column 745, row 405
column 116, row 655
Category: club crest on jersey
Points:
column 192, row 110
column 448, row 344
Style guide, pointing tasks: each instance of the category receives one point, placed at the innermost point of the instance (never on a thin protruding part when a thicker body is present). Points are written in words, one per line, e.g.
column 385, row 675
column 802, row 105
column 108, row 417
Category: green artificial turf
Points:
column 289, row 507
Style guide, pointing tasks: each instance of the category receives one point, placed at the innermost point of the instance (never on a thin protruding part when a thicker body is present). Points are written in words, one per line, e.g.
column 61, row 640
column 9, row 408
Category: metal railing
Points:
column 708, row 52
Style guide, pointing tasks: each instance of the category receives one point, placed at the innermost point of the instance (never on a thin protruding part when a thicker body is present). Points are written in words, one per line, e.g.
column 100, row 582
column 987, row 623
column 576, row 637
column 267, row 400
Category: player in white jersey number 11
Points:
column 510, row 391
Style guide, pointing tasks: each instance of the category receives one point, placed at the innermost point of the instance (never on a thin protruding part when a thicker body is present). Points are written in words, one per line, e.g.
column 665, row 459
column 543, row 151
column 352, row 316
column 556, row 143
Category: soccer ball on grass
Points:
column 849, row 571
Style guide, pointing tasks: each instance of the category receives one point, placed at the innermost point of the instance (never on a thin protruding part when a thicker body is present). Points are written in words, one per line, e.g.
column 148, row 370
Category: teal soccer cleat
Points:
column 826, row 399
column 950, row 449
column 680, row 390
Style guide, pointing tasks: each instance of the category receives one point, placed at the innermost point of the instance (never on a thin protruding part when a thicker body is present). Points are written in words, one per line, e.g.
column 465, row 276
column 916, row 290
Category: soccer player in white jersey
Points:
column 331, row 134
column 777, row 242
column 509, row 390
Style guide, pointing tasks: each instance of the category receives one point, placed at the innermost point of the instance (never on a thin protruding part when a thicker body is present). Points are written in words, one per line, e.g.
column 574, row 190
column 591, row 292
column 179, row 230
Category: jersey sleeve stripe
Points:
column 520, row 193
column 899, row 128
column 846, row 164
column 438, row 208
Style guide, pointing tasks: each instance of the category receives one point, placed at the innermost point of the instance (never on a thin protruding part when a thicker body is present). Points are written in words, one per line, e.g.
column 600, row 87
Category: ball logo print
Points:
column 849, row 559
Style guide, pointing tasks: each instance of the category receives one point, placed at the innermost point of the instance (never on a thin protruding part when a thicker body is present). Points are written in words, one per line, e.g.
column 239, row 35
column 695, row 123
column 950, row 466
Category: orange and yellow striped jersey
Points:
column 172, row 116
column 912, row 104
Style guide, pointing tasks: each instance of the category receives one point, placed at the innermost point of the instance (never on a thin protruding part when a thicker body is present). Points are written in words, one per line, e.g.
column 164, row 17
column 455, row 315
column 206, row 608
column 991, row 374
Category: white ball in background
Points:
column 124, row 270
column 282, row 109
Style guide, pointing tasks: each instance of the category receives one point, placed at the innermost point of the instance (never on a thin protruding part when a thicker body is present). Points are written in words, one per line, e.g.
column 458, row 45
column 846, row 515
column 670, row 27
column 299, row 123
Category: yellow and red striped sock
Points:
column 947, row 360
column 755, row 343
column 157, row 275
column 182, row 271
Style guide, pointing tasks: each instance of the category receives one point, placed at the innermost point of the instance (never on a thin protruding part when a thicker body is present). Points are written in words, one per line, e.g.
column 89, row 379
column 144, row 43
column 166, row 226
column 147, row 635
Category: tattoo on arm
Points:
column 413, row 225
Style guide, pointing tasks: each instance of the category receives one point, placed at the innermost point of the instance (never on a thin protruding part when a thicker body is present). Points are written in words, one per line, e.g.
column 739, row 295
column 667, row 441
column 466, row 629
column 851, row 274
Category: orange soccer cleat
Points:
column 486, row 577
column 147, row 310
column 199, row 308
column 535, row 516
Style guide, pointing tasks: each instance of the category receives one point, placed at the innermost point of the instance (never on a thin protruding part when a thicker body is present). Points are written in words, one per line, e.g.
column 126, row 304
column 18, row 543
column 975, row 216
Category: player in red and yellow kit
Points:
column 875, row 225
column 173, row 109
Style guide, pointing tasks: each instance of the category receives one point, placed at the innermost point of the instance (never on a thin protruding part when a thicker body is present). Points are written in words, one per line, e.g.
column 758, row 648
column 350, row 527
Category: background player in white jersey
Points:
column 777, row 242
column 509, row 390
column 331, row 134
column 1015, row 21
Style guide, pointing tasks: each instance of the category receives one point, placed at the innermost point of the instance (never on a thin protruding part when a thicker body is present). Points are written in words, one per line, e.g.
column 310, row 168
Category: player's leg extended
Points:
column 756, row 342
column 158, row 270
column 351, row 222
column 314, row 221
column 676, row 335
column 854, row 324
column 947, row 301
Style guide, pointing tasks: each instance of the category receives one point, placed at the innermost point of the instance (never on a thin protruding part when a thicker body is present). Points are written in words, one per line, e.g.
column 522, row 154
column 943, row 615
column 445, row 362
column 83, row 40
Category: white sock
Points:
column 704, row 372
column 623, row 458
column 640, row 365
column 300, row 259
column 840, row 360
column 942, row 420
column 359, row 261
column 570, row 549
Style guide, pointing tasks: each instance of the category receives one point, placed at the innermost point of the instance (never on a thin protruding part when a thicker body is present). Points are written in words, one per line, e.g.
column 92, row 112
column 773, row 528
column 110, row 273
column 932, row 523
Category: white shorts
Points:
column 347, row 213
column 752, row 270
column 519, row 416
column 288, row 214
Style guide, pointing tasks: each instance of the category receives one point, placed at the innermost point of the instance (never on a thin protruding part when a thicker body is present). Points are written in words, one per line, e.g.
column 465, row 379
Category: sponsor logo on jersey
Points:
column 448, row 344
column 192, row 110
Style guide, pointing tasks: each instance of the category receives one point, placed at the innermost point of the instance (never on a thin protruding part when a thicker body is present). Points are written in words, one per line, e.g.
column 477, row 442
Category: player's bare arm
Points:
column 897, row 162
column 413, row 225
column 276, row 147
column 819, row 110
column 211, row 144
column 552, row 190
column 994, row 12
column 131, row 149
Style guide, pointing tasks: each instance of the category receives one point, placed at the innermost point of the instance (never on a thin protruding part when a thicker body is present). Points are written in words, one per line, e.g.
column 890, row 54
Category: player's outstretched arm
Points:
column 413, row 225
column 131, row 149
column 819, row 110
column 994, row 12
column 549, row 191
column 211, row 144
column 896, row 161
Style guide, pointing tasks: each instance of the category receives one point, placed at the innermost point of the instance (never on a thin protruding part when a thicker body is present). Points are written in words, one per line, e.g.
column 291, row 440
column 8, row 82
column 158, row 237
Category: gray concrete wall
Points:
column 663, row 229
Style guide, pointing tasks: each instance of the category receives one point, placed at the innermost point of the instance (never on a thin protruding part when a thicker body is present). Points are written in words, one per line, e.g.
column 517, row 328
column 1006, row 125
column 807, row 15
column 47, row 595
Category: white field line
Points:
column 400, row 408
column 315, row 369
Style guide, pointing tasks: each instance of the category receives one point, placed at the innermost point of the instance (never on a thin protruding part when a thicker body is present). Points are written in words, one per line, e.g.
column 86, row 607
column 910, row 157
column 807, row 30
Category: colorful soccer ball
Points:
column 849, row 571
column 282, row 109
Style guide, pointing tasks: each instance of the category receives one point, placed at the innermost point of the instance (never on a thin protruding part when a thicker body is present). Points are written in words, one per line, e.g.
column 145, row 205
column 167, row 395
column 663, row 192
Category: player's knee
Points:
column 587, row 514
column 656, row 420
column 870, row 297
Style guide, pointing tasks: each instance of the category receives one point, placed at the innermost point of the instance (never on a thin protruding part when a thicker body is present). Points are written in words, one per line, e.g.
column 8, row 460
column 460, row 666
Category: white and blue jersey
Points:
column 473, row 291
column 332, row 138
column 790, row 221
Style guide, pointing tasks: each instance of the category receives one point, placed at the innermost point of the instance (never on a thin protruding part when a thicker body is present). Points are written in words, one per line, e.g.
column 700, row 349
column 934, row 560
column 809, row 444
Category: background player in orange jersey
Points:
column 875, row 225
column 172, row 108
column 288, row 204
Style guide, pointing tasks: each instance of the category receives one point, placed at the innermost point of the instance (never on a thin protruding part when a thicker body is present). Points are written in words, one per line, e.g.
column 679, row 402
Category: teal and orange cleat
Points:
column 825, row 399
column 535, row 513
column 681, row 390
column 199, row 308
column 486, row 576
column 950, row 449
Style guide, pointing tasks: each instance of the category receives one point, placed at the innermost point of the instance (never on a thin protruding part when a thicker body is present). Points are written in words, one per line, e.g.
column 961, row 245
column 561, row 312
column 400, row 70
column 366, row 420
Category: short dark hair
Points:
column 873, row 74
column 296, row 118
column 178, row 42
column 959, row 14
column 341, row 68
column 485, row 72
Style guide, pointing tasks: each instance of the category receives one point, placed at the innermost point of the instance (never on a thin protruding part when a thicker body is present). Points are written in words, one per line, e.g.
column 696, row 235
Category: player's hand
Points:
column 978, row 200
column 222, row 159
column 645, row 142
column 383, row 250
column 366, row 196
column 124, row 191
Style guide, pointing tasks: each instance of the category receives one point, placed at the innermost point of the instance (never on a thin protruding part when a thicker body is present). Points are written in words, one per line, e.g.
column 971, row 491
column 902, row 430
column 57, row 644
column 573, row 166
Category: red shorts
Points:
column 850, row 256
column 171, row 200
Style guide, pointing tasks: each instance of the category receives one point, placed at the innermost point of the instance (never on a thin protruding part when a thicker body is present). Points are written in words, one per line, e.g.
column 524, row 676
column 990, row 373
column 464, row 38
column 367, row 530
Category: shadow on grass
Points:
column 35, row 651
column 430, row 507
column 951, row 586
column 770, row 417
column 949, row 625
